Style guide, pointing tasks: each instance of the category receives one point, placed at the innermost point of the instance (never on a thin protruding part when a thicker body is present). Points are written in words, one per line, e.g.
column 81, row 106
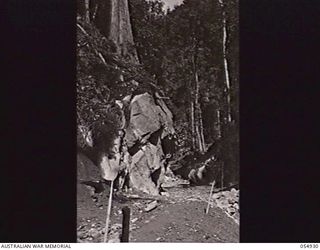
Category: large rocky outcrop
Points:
column 148, row 123
column 138, row 158
column 138, row 154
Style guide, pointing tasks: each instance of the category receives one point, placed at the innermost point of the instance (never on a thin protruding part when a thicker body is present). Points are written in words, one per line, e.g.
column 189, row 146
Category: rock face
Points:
column 149, row 123
column 138, row 158
column 89, row 178
column 148, row 116
column 87, row 171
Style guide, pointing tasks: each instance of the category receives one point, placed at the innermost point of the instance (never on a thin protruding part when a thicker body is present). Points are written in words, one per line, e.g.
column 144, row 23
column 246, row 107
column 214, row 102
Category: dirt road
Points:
column 178, row 217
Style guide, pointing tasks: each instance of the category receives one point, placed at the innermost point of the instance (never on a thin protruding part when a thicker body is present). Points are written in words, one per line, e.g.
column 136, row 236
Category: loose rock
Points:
column 151, row 206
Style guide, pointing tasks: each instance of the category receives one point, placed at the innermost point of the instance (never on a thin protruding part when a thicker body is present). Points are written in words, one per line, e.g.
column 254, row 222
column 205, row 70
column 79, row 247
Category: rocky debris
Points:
column 114, row 234
column 173, row 181
column 115, row 238
column 198, row 170
column 151, row 206
column 228, row 201
column 93, row 232
column 206, row 237
column 202, row 174
column 166, row 194
column 90, row 231
column 186, row 217
column 134, row 220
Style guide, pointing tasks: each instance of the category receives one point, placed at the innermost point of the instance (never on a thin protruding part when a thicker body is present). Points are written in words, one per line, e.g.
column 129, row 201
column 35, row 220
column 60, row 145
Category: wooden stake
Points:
column 108, row 214
column 209, row 200
column 222, row 175
column 125, row 224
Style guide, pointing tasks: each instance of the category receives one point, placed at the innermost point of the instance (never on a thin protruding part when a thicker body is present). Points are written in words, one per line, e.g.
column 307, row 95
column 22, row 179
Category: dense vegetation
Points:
column 181, row 53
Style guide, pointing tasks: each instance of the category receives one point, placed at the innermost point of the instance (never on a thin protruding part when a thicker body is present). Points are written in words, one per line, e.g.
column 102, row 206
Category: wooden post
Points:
column 209, row 200
column 108, row 214
column 125, row 224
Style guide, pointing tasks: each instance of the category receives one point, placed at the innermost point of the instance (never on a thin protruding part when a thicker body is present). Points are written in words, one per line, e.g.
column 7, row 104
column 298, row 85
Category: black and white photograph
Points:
column 157, row 121
column 154, row 121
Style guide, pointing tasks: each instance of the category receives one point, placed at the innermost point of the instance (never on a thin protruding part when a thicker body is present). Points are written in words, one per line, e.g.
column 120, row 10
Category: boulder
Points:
column 110, row 167
column 149, row 123
column 111, row 164
column 148, row 115
column 146, row 169
column 144, row 116
column 89, row 181
column 86, row 170
column 137, row 154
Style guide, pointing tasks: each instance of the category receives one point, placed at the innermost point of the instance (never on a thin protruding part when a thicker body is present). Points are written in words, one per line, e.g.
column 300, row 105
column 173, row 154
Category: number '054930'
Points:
column 309, row 245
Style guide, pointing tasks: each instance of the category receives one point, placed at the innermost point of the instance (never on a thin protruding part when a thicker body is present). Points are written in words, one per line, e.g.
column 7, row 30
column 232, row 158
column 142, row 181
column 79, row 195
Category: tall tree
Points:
column 225, row 60
column 120, row 31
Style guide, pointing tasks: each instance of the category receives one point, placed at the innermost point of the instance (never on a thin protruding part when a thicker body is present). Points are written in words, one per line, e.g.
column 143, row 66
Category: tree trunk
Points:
column 225, row 61
column 87, row 10
column 219, row 124
column 112, row 18
column 201, row 130
column 198, row 116
column 192, row 124
column 120, row 31
column 95, row 11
